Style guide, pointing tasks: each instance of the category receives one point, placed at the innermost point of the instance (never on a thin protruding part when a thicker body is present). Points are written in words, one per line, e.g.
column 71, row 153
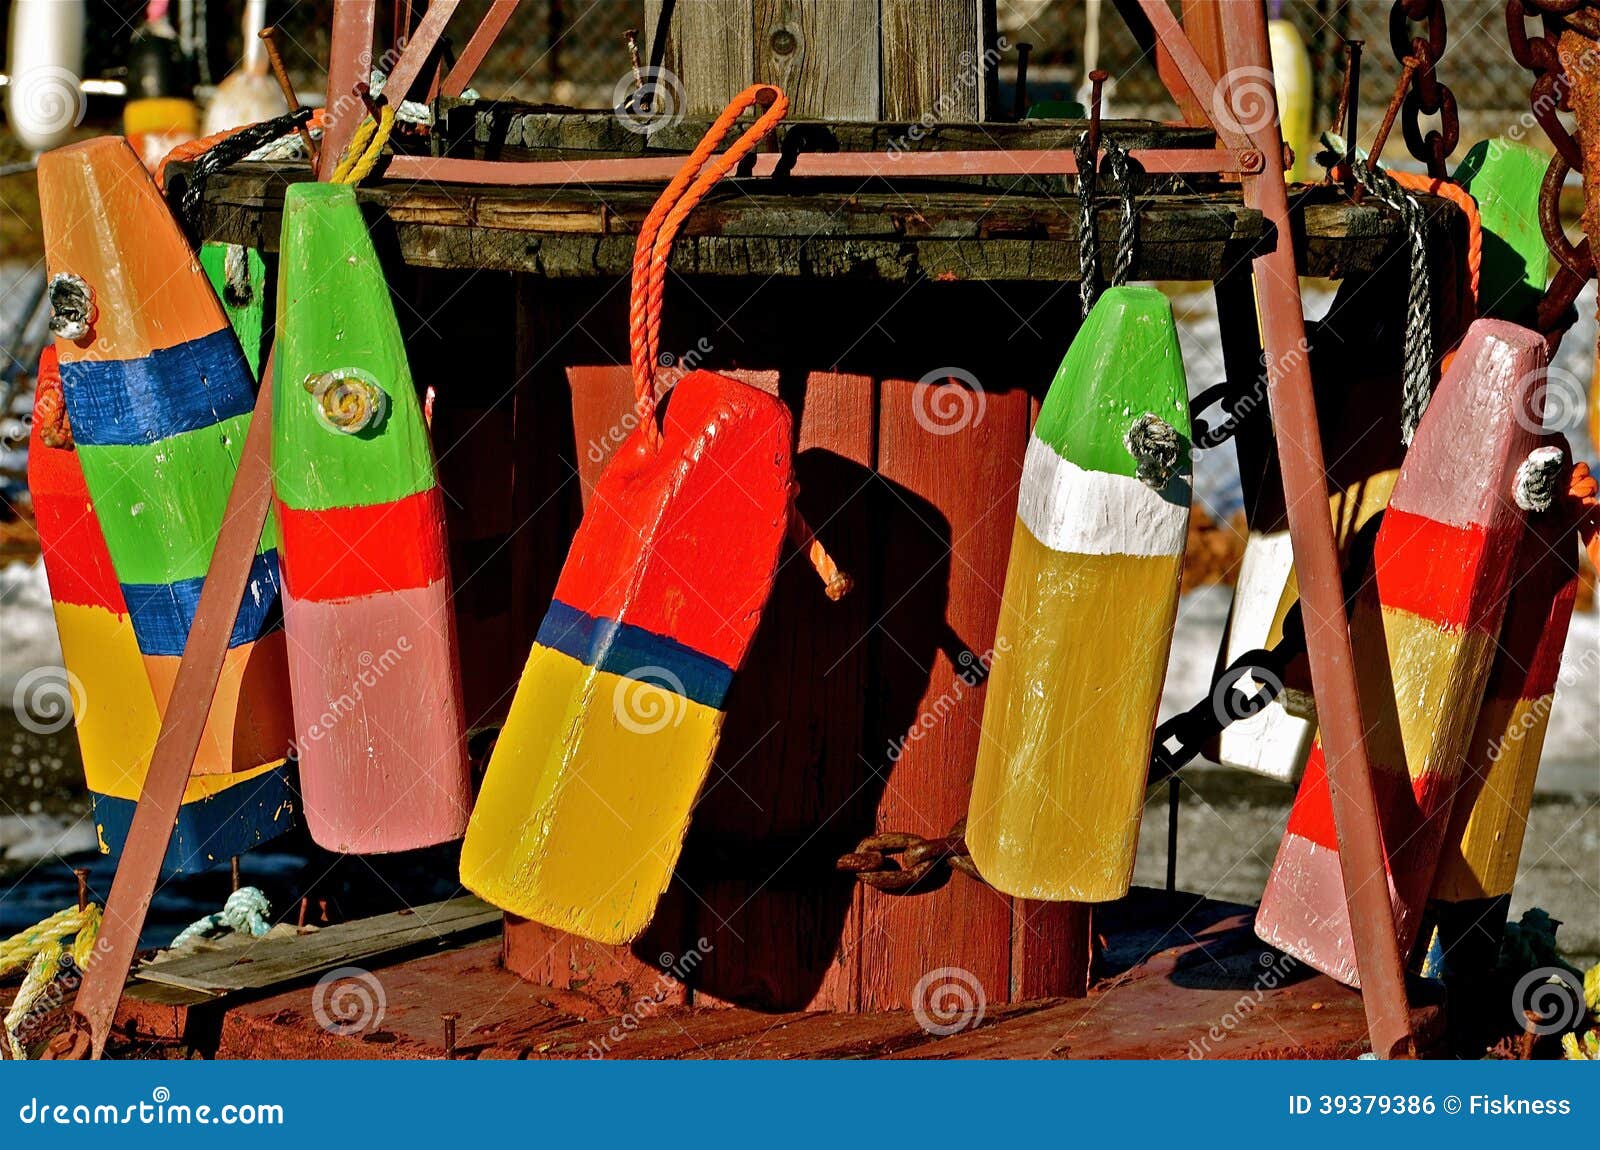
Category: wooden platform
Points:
column 1180, row 977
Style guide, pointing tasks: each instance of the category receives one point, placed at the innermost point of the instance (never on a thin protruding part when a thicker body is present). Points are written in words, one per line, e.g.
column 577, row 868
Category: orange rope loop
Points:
column 1461, row 198
column 685, row 190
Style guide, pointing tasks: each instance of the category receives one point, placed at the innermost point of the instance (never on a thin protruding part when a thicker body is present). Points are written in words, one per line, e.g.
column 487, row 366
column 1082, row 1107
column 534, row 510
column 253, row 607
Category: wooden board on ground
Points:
column 271, row 962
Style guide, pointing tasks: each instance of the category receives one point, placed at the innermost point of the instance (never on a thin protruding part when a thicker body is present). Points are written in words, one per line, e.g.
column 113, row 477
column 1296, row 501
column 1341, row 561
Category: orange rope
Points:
column 49, row 404
column 661, row 225
column 1461, row 198
column 1584, row 491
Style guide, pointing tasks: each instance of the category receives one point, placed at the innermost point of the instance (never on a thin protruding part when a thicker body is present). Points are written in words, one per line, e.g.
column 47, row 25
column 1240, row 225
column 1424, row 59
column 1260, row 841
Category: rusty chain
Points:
column 898, row 861
column 1548, row 96
column 1417, row 29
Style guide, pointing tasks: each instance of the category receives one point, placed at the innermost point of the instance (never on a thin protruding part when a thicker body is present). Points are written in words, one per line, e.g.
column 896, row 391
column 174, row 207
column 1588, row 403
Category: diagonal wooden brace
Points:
column 139, row 869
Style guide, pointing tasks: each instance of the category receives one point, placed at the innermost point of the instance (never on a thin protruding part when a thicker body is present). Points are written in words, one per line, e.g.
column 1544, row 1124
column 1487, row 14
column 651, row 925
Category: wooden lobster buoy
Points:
column 611, row 734
column 159, row 398
column 1423, row 632
column 1478, row 864
column 373, row 661
column 1086, row 620
column 1504, row 177
column 1291, row 80
column 160, row 112
column 239, row 277
column 1359, row 412
column 44, row 101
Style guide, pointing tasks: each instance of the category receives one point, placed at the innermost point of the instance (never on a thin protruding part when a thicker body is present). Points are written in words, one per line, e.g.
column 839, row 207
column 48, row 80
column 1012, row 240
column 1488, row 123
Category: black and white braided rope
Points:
column 1418, row 371
column 1088, row 241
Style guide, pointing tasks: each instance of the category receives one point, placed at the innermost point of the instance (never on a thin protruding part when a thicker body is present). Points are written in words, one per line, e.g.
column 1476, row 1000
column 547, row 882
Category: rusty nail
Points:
column 322, row 910
column 1019, row 106
column 1353, row 103
column 300, row 921
column 269, row 37
column 1097, row 84
column 1389, row 113
column 83, row 886
column 374, row 103
column 449, row 1018
column 235, row 872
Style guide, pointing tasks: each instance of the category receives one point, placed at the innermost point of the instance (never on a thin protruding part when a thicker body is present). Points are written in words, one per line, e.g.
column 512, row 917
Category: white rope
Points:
column 245, row 912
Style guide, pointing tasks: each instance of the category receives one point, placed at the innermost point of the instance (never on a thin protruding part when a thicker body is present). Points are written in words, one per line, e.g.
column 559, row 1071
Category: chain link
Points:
column 1548, row 96
column 1417, row 29
column 898, row 861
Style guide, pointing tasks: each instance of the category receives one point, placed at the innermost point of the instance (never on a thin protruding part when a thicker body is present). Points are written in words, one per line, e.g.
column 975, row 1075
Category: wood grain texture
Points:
column 945, row 566
column 822, row 53
column 933, row 60
column 710, row 48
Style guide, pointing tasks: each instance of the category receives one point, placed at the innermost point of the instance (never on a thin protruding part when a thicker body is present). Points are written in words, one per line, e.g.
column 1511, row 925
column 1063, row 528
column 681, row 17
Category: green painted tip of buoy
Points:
column 1123, row 364
column 327, row 268
column 1504, row 178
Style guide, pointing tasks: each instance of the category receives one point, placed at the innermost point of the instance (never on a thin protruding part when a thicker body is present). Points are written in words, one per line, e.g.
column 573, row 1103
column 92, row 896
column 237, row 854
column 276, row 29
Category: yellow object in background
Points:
column 1291, row 77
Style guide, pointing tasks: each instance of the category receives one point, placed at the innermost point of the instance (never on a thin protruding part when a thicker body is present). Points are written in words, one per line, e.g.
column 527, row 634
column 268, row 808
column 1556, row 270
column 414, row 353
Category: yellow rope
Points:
column 41, row 949
column 366, row 146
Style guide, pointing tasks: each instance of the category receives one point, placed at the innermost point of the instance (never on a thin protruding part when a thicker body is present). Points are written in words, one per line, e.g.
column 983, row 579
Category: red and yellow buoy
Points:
column 1423, row 634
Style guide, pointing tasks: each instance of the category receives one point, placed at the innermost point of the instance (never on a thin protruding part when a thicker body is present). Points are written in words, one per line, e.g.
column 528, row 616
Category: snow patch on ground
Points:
column 27, row 624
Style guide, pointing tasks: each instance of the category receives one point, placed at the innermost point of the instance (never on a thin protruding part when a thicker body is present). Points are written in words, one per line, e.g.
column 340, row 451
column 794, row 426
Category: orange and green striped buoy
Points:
column 1086, row 620
column 1423, row 633
column 160, row 397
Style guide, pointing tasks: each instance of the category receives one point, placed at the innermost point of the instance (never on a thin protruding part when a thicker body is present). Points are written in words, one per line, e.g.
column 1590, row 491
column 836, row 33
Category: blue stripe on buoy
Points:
column 185, row 387
column 162, row 613
column 211, row 830
column 633, row 652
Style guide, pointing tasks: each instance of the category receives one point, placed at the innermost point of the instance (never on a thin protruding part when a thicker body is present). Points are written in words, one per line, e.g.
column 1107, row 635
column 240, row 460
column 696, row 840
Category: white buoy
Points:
column 249, row 94
column 44, row 99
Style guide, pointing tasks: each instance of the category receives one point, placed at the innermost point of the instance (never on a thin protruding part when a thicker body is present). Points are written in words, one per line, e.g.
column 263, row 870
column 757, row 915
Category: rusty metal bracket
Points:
column 1294, row 418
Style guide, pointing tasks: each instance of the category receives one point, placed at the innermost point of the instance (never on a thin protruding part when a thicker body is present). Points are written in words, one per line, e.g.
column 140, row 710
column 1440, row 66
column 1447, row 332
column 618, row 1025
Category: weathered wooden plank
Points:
column 933, row 60
column 272, row 961
column 822, row 53
column 510, row 128
column 710, row 50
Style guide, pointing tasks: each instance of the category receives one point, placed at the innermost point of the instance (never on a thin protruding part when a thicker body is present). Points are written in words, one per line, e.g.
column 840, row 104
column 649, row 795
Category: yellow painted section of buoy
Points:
column 1056, row 829
column 622, row 805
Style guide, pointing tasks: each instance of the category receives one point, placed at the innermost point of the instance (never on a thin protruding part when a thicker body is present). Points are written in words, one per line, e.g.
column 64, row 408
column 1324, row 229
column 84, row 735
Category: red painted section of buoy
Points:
column 324, row 545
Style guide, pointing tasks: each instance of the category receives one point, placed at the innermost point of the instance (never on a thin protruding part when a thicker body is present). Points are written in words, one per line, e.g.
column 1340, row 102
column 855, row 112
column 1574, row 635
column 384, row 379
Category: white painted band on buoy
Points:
column 1068, row 508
